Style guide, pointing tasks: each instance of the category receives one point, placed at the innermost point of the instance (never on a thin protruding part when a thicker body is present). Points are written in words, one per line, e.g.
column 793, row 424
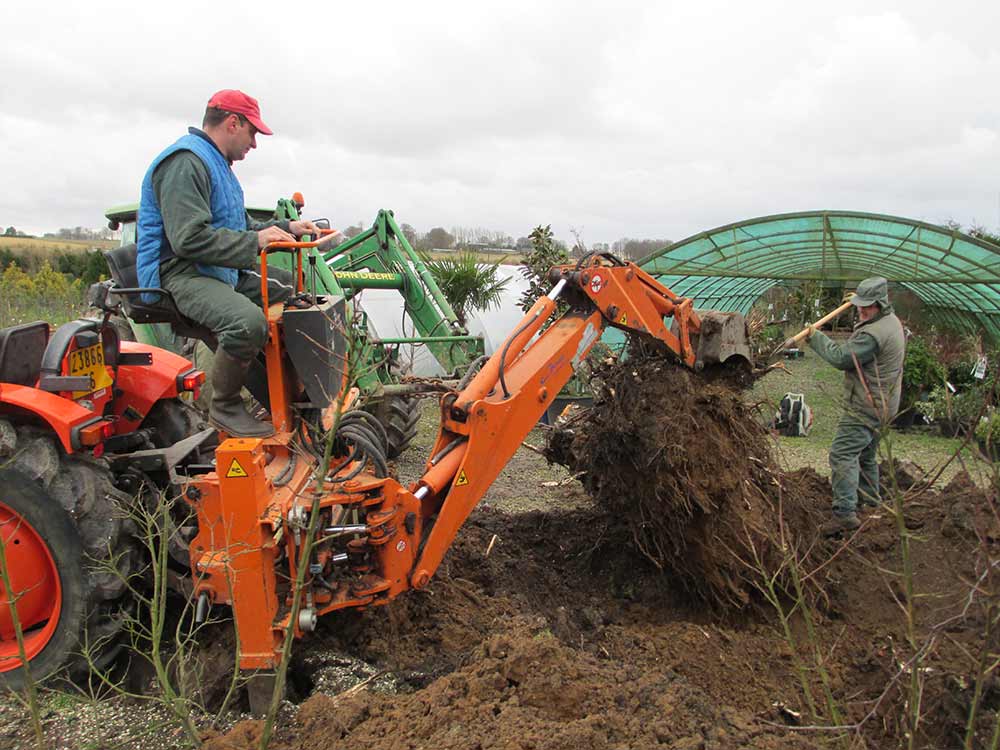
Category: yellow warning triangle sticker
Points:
column 624, row 320
column 462, row 479
column 235, row 470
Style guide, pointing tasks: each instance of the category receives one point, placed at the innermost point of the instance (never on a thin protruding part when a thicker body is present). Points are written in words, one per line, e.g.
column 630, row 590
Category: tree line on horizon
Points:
column 488, row 240
column 65, row 233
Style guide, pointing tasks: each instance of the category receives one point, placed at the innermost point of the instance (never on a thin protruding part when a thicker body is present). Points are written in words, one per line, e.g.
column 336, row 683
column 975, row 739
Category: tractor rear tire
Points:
column 399, row 416
column 71, row 523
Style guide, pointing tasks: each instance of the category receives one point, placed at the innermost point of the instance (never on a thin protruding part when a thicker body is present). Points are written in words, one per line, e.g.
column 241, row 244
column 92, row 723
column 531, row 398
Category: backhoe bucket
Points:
column 723, row 336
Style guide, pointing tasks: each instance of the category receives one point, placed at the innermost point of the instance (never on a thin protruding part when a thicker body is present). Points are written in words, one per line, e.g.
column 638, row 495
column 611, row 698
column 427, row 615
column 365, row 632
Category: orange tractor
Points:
column 85, row 419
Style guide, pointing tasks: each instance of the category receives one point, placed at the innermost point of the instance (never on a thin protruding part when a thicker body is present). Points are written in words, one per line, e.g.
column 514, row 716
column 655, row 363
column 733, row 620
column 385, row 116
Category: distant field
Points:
column 42, row 247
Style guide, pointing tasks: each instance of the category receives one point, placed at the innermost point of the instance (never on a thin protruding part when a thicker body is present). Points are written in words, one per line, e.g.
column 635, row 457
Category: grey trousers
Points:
column 854, row 465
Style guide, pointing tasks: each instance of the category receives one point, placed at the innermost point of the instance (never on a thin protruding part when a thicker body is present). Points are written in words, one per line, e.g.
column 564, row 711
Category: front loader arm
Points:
column 484, row 424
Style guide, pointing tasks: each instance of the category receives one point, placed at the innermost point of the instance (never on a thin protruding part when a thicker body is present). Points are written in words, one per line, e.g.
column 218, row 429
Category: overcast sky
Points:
column 618, row 119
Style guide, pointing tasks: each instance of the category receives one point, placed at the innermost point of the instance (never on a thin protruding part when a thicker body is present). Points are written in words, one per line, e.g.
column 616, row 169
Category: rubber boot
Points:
column 866, row 502
column 228, row 411
column 840, row 523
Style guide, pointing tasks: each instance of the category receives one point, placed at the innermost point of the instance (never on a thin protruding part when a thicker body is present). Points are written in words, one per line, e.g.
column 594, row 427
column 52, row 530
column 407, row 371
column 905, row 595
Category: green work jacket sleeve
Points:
column 861, row 345
column 183, row 191
column 258, row 225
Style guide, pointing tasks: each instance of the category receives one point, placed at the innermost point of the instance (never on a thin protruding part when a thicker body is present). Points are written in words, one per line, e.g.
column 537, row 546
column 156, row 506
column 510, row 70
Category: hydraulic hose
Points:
column 552, row 295
column 471, row 372
column 365, row 441
column 362, row 439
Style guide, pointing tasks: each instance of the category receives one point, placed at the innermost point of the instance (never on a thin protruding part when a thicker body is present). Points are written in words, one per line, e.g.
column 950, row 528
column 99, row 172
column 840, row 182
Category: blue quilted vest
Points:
column 227, row 208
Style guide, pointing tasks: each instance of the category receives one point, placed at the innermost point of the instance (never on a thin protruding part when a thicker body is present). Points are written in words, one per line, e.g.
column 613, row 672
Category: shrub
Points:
column 546, row 252
column 89, row 267
column 467, row 284
column 955, row 413
column 922, row 371
column 768, row 339
column 988, row 434
column 47, row 295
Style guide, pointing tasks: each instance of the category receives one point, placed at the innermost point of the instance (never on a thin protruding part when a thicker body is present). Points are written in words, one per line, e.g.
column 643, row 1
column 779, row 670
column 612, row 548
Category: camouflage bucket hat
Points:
column 870, row 291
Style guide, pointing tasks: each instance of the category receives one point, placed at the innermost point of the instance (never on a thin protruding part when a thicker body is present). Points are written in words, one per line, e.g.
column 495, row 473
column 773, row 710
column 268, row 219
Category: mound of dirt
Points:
column 587, row 627
column 525, row 689
column 685, row 463
column 561, row 636
column 550, row 629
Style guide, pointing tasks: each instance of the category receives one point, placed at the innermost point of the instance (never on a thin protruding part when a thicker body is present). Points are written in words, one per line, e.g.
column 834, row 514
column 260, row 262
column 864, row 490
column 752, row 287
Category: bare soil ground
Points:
column 548, row 626
column 564, row 637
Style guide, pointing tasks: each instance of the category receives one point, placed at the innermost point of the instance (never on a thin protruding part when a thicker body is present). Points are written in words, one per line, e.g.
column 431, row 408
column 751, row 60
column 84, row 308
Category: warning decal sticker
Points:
column 235, row 470
column 462, row 479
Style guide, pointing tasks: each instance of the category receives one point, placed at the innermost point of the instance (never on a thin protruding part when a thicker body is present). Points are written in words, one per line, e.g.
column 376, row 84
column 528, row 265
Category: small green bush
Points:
column 988, row 434
column 954, row 412
column 989, row 427
column 45, row 295
column 89, row 267
column 922, row 372
column 960, row 374
column 768, row 339
column 467, row 284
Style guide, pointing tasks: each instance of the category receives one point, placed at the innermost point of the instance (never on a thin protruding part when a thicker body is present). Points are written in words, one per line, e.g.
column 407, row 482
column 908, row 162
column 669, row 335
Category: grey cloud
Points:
column 655, row 119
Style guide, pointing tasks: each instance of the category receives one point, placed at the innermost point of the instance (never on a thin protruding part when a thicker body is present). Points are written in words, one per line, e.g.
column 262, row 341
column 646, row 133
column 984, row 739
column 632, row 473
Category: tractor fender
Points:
column 65, row 417
column 141, row 385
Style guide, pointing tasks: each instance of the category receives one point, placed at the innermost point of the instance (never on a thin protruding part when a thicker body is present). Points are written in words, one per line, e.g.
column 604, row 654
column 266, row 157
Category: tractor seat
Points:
column 21, row 350
column 122, row 264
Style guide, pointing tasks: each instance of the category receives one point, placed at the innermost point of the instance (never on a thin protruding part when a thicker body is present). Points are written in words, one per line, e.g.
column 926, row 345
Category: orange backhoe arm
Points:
column 484, row 424
column 250, row 523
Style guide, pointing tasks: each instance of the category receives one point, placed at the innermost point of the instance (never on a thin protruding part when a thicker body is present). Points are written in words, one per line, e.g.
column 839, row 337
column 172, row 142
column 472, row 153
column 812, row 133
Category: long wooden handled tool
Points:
column 794, row 340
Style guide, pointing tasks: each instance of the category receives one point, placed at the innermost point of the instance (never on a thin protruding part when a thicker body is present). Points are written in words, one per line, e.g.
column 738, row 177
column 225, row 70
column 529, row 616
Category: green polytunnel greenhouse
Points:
column 955, row 275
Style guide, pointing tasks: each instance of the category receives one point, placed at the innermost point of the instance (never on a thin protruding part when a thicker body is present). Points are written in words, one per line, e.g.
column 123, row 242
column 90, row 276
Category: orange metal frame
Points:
column 36, row 578
column 251, row 525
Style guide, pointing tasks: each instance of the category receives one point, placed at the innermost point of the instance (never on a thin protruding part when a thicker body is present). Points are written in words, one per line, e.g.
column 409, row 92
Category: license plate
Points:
column 89, row 363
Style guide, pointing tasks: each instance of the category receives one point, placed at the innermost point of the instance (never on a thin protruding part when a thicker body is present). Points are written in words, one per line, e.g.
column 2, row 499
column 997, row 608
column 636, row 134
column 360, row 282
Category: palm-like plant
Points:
column 468, row 284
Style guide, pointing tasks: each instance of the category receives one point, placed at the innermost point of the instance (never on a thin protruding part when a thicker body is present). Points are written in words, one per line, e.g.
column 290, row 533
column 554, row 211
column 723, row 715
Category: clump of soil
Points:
column 684, row 462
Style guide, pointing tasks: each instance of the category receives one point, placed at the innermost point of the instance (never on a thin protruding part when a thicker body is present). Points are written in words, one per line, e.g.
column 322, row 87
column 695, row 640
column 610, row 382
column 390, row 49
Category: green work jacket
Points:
column 872, row 361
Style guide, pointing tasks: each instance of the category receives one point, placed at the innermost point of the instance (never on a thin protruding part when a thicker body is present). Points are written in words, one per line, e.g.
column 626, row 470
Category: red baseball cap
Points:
column 239, row 103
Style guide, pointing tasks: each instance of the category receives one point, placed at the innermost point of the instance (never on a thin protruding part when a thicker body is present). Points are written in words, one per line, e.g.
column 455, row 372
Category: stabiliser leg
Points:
column 233, row 553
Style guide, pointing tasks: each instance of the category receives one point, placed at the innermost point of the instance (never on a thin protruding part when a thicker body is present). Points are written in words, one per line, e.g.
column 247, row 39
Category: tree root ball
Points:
column 685, row 462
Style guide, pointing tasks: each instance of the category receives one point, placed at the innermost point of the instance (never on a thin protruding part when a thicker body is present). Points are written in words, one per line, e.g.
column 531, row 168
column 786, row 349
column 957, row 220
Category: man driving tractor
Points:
column 196, row 240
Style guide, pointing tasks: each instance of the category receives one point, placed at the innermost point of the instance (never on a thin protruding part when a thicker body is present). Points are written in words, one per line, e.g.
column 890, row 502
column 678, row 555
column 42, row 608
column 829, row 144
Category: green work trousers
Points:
column 233, row 315
column 854, row 465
